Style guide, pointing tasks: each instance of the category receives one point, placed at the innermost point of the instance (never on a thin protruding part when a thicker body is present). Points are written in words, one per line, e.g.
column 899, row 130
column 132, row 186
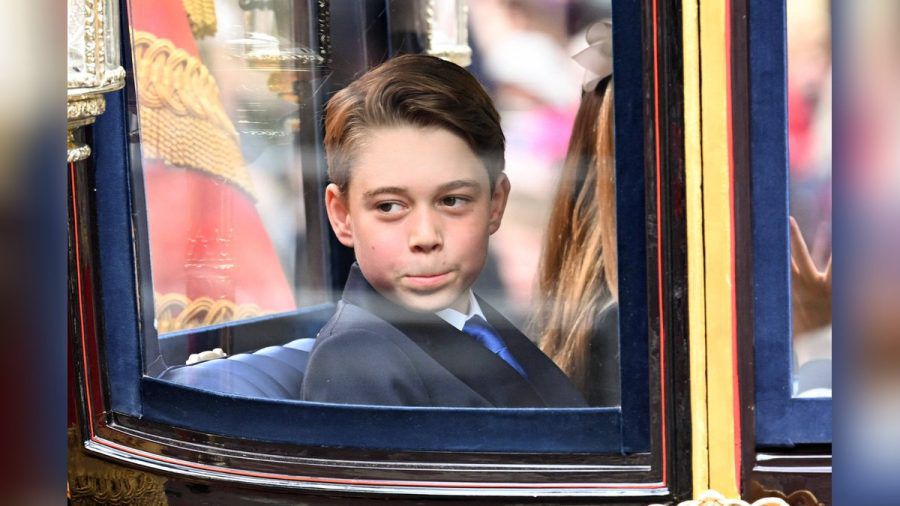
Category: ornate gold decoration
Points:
column 76, row 152
column 713, row 498
column 796, row 498
column 96, row 481
column 175, row 311
column 80, row 111
column 93, row 66
column 182, row 119
column 112, row 80
column 83, row 110
column 202, row 17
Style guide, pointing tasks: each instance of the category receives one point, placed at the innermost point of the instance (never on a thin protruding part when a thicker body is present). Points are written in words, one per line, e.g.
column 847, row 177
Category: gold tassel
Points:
column 183, row 122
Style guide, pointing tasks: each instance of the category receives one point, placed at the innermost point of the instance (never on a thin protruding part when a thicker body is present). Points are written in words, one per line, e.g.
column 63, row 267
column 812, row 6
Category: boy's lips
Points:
column 424, row 281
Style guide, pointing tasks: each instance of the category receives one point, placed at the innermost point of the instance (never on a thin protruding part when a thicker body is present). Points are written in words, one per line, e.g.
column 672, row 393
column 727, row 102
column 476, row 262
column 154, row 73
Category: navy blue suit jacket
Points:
column 375, row 352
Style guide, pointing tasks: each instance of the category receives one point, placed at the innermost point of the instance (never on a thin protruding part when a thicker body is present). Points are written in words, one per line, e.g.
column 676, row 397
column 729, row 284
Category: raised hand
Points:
column 811, row 292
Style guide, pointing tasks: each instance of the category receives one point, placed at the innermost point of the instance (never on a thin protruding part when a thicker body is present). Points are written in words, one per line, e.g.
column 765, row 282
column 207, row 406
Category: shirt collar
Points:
column 457, row 319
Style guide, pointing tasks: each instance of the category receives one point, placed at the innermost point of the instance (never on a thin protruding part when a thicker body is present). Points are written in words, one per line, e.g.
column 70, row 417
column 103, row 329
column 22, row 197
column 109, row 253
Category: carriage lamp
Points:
column 94, row 65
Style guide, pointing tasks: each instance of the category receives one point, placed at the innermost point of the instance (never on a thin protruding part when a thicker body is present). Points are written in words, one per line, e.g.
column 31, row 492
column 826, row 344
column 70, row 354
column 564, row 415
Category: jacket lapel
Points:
column 554, row 387
column 467, row 359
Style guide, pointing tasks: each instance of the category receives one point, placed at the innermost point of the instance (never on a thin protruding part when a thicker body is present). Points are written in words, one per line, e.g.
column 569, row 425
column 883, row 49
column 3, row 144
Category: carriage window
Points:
column 232, row 172
column 809, row 149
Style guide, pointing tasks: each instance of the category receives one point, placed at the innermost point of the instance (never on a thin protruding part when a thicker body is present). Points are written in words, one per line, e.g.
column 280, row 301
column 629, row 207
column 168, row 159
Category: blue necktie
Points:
column 482, row 331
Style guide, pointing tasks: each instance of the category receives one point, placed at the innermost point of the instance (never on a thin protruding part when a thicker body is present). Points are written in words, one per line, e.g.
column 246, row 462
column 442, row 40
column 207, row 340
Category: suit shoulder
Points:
column 360, row 359
column 355, row 336
column 354, row 323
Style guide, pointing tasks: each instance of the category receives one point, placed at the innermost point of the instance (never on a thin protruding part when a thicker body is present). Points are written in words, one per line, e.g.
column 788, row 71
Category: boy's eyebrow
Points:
column 449, row 186
column 459, row 183
column 382, row 190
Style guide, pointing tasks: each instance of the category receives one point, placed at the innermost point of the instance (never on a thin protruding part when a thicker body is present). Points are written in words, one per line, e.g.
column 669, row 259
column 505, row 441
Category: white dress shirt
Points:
column 457, row 319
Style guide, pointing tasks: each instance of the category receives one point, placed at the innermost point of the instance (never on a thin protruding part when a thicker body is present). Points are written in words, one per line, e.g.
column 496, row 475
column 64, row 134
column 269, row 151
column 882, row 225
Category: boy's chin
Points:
column 427, row 303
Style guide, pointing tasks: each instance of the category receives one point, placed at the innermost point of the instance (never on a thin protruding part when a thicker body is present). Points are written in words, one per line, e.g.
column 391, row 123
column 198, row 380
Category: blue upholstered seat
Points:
column 275, row 372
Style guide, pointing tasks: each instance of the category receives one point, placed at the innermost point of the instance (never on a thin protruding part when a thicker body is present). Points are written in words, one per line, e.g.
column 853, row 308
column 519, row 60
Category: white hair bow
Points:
column 597, row 57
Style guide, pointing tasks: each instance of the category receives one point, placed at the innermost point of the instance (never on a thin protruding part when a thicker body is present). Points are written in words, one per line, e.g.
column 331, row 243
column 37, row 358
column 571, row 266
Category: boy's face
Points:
column 418, row 213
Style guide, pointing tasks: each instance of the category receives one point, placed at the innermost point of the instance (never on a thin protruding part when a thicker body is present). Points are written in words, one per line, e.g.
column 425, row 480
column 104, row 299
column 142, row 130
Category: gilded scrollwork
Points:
column 84, row 109
column 796, row 498
column 95, row 481
column 713, row 498
column 80, row 112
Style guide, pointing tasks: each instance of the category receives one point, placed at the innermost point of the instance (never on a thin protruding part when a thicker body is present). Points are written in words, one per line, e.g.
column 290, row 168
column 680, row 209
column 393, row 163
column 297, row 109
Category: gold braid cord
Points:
column 175, row 311
column 183, row 122
column 202, row 16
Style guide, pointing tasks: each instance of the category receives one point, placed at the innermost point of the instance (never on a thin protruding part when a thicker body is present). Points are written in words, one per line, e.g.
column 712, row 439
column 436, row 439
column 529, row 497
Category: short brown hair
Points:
column 416, row 90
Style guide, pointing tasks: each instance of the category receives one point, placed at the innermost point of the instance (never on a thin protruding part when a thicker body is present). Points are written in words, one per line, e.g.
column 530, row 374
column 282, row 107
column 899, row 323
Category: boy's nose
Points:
column 425, row 235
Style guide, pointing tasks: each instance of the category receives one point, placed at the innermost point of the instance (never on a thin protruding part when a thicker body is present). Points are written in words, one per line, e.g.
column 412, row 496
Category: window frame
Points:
column 138, row 420
column 782, row 450
column 782, row 420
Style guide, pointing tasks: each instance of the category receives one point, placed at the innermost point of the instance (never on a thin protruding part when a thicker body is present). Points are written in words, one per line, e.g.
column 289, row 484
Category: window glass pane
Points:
column 218, row 87
column 809, row 129
column 552, row 265
column 221, row 155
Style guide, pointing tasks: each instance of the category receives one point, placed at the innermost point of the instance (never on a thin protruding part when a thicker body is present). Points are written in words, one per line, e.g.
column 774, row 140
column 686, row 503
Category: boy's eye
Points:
column 454, row 201
column 388, row 207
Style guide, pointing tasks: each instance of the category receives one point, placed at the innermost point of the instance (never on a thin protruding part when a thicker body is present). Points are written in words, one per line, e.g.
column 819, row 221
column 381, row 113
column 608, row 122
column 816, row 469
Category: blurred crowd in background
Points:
column 866, row 129
column 522, row 53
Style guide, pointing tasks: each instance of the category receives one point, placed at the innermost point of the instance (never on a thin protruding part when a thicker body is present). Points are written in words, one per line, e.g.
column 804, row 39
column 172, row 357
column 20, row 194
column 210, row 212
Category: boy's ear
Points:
column 338, row 209
column 499, row 196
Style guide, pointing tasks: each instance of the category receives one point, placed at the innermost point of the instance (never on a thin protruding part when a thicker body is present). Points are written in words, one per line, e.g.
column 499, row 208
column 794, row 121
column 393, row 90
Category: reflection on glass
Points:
column 563, row 198
column 221, row 161
column 809, row 129
column 448, row 30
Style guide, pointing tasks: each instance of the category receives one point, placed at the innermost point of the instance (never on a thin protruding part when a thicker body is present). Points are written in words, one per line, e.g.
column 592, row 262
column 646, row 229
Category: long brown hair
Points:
column 577, row 277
